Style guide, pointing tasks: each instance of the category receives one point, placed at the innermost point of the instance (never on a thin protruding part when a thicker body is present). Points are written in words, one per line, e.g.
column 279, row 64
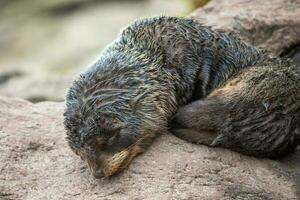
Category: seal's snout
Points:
column 98, row 174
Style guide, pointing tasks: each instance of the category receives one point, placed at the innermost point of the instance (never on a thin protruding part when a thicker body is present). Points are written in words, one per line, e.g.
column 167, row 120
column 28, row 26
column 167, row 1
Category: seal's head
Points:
column 98, row 128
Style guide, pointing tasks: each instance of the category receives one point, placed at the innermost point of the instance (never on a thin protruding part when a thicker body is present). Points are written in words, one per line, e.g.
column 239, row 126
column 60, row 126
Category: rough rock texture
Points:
column 36, row 163
column 271, row 24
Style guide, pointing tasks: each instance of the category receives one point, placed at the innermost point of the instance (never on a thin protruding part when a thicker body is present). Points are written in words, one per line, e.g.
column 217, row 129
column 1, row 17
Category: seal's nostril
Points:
column 98, row 174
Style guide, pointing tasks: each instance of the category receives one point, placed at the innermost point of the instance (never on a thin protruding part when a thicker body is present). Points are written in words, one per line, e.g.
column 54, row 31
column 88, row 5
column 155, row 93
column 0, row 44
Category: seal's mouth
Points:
column 105, row 164
column 109, row 166
column 95, row 168
column 98, row 173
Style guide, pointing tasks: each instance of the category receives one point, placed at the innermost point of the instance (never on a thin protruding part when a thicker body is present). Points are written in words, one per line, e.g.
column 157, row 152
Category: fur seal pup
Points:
column 125, row 99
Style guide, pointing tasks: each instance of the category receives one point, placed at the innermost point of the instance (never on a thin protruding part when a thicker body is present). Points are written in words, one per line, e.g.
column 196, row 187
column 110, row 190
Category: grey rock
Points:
column 270, row 24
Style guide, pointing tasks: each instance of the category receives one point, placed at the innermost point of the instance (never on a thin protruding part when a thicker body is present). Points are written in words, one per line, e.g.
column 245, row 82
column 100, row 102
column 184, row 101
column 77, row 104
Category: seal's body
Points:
column 119, row 104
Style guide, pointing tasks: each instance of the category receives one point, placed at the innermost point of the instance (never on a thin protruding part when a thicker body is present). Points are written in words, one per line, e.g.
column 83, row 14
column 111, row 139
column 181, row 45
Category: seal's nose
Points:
column 98, row 174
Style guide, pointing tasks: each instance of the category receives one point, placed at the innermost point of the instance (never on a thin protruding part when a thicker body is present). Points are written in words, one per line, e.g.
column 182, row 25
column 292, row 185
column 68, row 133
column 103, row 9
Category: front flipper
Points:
column 205, row 137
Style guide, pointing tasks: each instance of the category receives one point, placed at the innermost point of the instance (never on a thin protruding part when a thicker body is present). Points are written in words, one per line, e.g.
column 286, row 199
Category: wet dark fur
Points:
column 128, row 96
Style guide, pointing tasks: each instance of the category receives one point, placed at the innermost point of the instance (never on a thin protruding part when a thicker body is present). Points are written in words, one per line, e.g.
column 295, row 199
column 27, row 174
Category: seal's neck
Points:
column 221, row 64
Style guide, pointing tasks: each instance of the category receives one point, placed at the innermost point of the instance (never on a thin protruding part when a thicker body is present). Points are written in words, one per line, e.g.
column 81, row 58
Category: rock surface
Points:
column 36, row 163
column 270, row 24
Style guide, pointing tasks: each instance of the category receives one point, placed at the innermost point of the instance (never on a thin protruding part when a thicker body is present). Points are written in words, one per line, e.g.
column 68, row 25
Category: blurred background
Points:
column 44, row 44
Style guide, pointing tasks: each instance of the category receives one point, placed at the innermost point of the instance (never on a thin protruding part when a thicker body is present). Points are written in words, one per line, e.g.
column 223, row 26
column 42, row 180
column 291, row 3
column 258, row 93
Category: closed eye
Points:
column 120, row 141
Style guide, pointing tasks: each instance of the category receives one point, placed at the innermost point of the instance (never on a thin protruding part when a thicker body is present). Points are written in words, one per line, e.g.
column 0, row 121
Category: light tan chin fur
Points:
column 121, row 160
